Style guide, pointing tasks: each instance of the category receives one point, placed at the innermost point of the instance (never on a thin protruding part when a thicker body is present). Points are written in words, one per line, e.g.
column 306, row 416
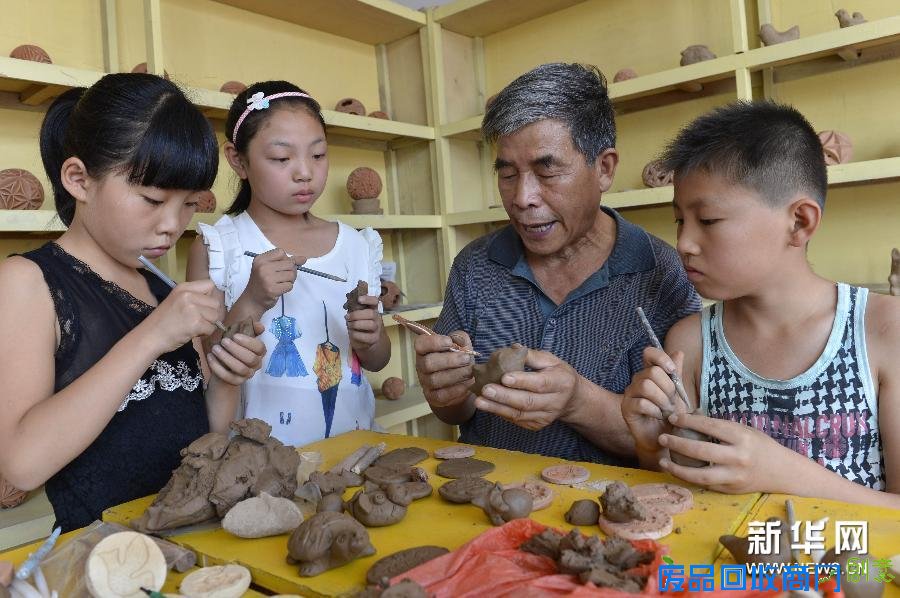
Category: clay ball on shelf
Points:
column 351, row 106
column 20, row 190
column 393, row 388
column 32, row 53
column 233, row 87
column 364, row 183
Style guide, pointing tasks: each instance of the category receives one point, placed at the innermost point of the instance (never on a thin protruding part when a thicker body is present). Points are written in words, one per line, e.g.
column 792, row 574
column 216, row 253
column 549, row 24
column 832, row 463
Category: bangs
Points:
column 178, row 151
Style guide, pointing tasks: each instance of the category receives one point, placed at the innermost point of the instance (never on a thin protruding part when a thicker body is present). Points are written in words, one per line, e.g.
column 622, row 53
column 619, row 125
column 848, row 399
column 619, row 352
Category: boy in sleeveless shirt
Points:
column 793, row 374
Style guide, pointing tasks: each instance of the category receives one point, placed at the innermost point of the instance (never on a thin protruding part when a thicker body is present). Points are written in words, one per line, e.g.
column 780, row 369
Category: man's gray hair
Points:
column 575, row 94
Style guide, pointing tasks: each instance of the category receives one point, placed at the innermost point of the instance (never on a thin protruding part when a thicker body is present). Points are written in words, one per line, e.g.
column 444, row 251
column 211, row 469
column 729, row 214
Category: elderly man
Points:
column 563, row 278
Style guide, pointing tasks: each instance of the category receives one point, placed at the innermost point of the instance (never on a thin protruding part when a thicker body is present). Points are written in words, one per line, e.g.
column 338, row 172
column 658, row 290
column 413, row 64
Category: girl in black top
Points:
column 101, row 384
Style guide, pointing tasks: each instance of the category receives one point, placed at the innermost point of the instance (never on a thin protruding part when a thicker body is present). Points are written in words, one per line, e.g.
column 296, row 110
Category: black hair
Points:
column 575, row 94
column 764, row 146
column 255, row 119
column 136, row 124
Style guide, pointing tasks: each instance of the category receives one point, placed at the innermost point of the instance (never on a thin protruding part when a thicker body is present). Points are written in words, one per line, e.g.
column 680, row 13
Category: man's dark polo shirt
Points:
column 493, row 295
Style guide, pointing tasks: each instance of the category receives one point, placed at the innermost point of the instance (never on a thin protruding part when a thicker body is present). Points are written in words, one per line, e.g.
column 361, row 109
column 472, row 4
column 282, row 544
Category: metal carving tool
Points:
column 307, row 270
column 679, row 386
column 421, row 329
column 165, row 278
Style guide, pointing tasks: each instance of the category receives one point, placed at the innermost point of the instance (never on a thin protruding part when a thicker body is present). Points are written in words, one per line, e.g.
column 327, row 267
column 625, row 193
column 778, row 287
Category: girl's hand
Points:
column 235, row 360
column 365, row 325
column 190, row 310
column 272, row 275
column 651, row 396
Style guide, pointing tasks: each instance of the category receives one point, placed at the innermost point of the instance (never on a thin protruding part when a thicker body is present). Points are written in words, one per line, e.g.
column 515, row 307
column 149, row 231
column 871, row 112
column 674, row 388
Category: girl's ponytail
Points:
column 54, row 151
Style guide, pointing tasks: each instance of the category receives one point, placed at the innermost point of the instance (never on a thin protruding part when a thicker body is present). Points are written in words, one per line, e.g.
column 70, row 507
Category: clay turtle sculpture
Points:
column 845, row 19
column 583, row 512
column 20, row 190
column 502, row 361
column 463, row 490
column 463, row 468
column 327, row 540
column 771, row 36
column 504, row 505
column 373, row 508
column 400, row 562
column 350, row 106
column 402, row 457
column 31, row 52
column 655, row 175
column 393, row 388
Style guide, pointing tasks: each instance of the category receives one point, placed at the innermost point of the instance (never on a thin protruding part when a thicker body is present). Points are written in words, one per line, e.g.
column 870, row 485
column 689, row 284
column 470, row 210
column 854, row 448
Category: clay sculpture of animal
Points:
column 504, row 505
column 625, row 516
column 739, row 547
column 502, row 361
column 373, row 508
column 771, row 36
column 845, row 19
column 327, row 540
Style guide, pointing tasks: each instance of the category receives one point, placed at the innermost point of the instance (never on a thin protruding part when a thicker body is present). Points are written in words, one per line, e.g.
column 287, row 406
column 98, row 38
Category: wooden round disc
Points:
column 565, row 474
column 668, row 498
column 464, row 468
column 223, row 581
column 121, row 564
column 541, row 494
column 657, row 525
column 456, row 451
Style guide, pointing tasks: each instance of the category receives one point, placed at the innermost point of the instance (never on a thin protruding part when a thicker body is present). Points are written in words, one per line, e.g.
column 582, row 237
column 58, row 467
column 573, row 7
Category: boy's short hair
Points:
column 764, row 146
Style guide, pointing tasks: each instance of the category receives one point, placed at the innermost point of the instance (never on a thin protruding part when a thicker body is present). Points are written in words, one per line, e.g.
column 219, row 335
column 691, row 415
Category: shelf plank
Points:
column 638, row 198
column 497, row 214
column 717, row 69
column 857, row 173
column 30, row 221
column 367, row 21
column 479, row 18
column 469, row 128
column 39, row 81
column 376, row 221
column 412, row 405
column 416, row 315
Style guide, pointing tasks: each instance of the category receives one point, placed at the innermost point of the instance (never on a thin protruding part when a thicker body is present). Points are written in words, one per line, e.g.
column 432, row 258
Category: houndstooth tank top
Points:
column 828, row 413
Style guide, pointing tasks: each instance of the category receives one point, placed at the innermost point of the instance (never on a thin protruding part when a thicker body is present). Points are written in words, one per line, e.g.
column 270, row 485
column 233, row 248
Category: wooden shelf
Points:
column 416, row 315
column 497, row 214
column 30, row 221
column 367, row 21
column 358, row 221
column 469, row 128
column 36, row 82
column 478, row 18
column 412, row 405
column 860, row 173
column 638, row 198
column 30, row 521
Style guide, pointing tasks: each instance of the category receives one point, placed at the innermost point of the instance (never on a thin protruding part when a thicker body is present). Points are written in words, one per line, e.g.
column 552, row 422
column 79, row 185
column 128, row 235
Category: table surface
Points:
column 435, row 521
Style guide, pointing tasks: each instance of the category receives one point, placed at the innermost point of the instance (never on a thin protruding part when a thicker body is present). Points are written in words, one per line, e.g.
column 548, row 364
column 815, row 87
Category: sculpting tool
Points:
column 163, row 277
column 791, row 521
column 307, row 270
column 24, row 572
column 153, row 593
column 420, row 329
column 679, row 386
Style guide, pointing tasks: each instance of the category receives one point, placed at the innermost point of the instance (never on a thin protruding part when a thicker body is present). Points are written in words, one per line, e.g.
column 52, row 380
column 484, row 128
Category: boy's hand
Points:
column 741, row 462
column 235, row 360
column 272, row 275
column 650, row 397
column 365, row 325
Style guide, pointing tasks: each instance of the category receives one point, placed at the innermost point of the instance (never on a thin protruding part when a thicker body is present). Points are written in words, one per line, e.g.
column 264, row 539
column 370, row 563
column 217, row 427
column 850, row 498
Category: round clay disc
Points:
column 463, row 490
column 223, row 581
column 668, row 498
column 565, row 474
column 541, row 494
column 657, row 525
column 120, row 564
column 456, row 451
column 401, row 562
column 466, row 467
column 381, row 475
column 406, row 457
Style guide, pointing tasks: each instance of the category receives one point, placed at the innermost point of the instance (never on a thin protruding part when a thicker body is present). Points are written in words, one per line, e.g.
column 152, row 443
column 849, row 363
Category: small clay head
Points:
column 139, row 126
column 252, row 125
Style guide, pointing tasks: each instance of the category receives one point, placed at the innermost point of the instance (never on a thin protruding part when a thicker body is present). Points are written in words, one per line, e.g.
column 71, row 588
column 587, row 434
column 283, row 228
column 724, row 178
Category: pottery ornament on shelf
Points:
column 390, row 294
column 695, row 54
column 379, row 114
column 364, row 187
column 624, row 75
column 142, row 68
column 32, row 53
column 845, row 19
column 20, row 190
column 771, row 36
column 206, row 202
column 350, row 106
column 233, row 87
column 654, row 175
column 836, row 146
column 393, row 388
column 10, row 496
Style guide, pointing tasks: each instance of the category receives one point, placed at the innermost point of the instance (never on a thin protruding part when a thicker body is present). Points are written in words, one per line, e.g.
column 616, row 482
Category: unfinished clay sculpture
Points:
column 894, row 278
column 122, row 563
column 401, row 562
column 32, row 53
column 390, row 294
column 393, row 388
column 10, row 496
column 504, row 505
column 331, row 502
column 360, row 290
column 233, row 87
column 206, row 202
column 502, row 361
column 845, row 19
column 463, row 490
column 626, row 517
column 20, row 190
column 327, row 540
column 330, row 483
column 739, row 547
column 244, row 327
column 541, row 494
column 262, row 516
column 350, row 106
column 771, row 36
column 694, row 54
column 466, row 467
column 655, row 175
column 836, row 146
column 624, row 75
column 620, row 505
column 405, row 493
column 373, row 508
column 220, row 581
column 402, row 457
column 583, row 512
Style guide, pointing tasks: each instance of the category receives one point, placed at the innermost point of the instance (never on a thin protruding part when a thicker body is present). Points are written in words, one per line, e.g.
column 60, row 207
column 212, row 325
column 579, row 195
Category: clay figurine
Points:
column 352, row 303
column 894, row 278
column 393, row 388
column 262, row 516
column 583, row 512
column 400, row 562
column 463, row 490
column 327, row 540
column 122, row 563
column 351, row 106
column 846, row 20
column 10, row 496
column 373, row 508
column 695, row 54
column 142, row 68
column 771, row 36
column 32, row 53
column 221, row 581
column 379, row 114
column 402, row 457
column 20, row 190
column 331, row 502
column 626, row 517
column 504, row 505
column 206, row 202
column 836, row 146
column 654, row 175
column 624, row 75
column 502, row 361
column 405, row 493
column 466, row 467
column 390, row 294
column 739, row 547
column 233, row 87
